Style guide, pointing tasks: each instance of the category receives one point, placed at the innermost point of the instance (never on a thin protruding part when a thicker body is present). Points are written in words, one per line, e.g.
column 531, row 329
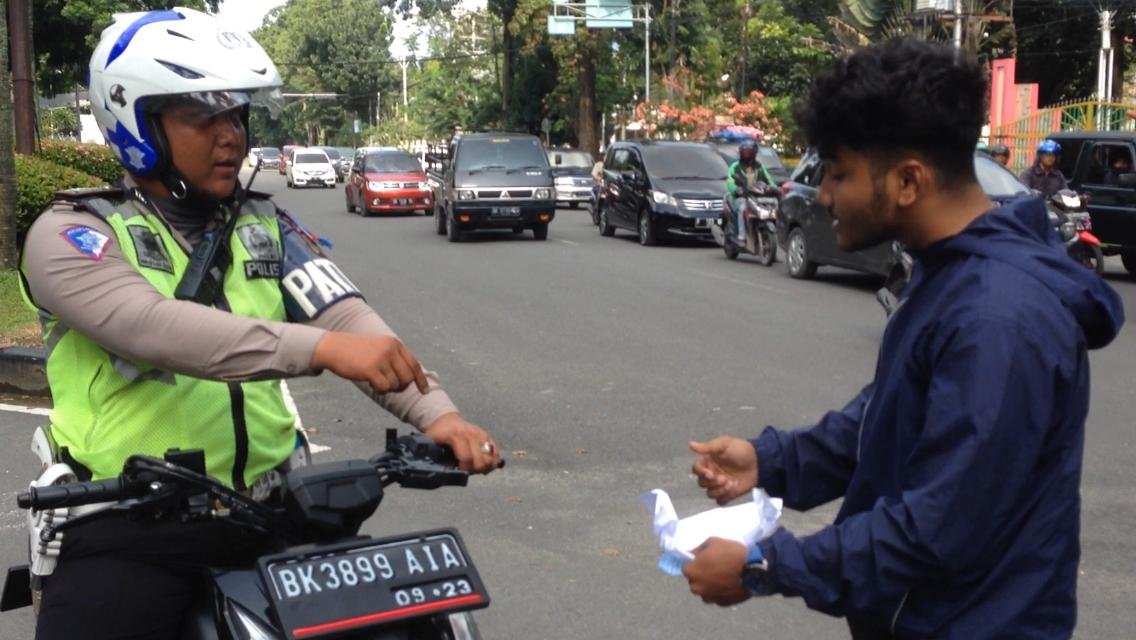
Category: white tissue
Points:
column 747, row 523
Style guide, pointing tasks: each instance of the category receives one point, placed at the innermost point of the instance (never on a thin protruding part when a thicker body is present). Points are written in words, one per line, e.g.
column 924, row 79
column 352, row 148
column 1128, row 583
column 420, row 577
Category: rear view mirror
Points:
column 630, row 177
column 1127, row 180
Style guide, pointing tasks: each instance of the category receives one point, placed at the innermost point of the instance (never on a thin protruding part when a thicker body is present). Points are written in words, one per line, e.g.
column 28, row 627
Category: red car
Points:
column 387, row 181
column 286, row 157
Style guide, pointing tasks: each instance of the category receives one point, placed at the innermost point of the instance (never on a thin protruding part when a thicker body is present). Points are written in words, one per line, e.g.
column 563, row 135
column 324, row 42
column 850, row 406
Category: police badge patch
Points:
column 262, row 248
column 150, row 250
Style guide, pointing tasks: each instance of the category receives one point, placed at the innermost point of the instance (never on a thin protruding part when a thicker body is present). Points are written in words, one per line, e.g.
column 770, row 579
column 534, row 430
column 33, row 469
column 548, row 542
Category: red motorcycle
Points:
column 1076, row 229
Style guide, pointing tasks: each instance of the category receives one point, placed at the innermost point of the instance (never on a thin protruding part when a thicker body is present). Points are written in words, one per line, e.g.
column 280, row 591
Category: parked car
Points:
column 804, row 226
column 766, row 155
column 492, row 181
column 253, row 156
column 269, row 158
column 286, row 157
column 1087, row 159
column 387, row 181
column 572, row 175
column 660, row 188
column 310, row 166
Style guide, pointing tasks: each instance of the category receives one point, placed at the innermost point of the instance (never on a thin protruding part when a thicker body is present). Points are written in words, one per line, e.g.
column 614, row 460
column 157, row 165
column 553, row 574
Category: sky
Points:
column 249, row 15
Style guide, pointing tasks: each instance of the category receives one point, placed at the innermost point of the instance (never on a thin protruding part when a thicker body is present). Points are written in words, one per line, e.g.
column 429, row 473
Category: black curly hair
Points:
column 902, row 96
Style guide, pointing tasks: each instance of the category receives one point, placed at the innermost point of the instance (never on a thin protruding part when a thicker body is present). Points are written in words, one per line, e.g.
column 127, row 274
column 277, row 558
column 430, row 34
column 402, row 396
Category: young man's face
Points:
column 207, row 148
column 856, row 192
column 1048, row 160
column 1002, row 159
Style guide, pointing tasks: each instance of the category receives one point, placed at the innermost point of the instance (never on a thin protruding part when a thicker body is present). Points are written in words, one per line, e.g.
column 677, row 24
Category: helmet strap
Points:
column 180, row 188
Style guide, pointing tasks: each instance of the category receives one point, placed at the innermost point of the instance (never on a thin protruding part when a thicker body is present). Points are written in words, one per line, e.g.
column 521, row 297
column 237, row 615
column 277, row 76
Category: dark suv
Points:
column 492, row 181
column 1087, row 160
column 659, row 187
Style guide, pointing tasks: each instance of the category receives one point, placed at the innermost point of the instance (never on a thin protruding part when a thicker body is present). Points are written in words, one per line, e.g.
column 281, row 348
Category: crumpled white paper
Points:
column 747, row 523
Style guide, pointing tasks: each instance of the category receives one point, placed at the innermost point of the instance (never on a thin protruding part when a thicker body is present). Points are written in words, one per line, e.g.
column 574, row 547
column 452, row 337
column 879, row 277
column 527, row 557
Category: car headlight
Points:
column 466, row 194
column 544, row 193
column 374, row 186
column 423, row 186
column 663, row 198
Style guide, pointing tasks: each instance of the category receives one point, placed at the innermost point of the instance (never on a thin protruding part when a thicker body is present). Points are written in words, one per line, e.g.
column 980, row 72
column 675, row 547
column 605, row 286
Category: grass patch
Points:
column 18, row 325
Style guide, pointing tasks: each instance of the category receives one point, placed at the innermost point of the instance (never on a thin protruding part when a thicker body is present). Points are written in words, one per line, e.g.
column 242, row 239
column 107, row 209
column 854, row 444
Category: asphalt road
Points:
column 592, row 361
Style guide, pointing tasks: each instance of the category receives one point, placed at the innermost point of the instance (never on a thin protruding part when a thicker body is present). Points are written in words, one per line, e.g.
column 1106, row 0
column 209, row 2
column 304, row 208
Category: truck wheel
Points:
column 439, row 221
column 1129, row 260
column 540, row 232
column 454, row 233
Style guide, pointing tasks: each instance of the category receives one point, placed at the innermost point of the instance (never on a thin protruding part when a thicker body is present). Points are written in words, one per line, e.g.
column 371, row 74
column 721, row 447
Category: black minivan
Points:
column 658, row 188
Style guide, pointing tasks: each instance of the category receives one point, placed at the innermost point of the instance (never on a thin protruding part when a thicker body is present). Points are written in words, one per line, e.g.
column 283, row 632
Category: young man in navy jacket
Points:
column 960, row 462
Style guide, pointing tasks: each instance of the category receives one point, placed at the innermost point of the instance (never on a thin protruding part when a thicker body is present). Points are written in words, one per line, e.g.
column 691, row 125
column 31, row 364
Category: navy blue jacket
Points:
column 960, row 464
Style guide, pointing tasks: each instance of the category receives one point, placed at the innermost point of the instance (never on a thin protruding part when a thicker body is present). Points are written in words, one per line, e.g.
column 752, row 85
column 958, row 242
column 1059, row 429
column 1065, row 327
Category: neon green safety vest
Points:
column 107, row 408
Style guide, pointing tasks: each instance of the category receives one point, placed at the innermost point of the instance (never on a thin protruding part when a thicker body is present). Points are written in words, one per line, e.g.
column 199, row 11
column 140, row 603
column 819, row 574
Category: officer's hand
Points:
column 475, row 450
column 726, row 467
column 382, row 361
column 715, row 573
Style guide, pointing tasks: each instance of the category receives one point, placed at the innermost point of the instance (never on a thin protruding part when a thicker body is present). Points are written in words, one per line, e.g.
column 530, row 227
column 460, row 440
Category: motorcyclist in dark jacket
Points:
column 743, row 174
column 1044, row 176
column 959, row 464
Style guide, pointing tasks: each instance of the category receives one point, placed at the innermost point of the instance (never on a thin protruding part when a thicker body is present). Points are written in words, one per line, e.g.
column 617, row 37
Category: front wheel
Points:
column 347, row 199
column 647, row 236
column 730, row 249
column 605, row 227
column 1129, row 260
column 797, row 258
column 766, row 247
column 540, row 232
column 1089, row 256
column 454, row 233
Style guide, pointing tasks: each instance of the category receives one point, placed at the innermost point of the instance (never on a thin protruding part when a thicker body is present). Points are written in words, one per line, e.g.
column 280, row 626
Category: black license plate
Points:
column 326, row 591
column 505, row 212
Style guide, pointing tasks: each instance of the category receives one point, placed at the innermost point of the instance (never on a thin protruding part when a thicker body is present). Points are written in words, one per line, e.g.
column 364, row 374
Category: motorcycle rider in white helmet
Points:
column 152, row 347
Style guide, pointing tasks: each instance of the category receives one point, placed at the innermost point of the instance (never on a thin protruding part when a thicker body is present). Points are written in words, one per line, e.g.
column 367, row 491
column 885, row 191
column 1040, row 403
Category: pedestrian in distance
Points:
column 152, row 347
column 959, row 463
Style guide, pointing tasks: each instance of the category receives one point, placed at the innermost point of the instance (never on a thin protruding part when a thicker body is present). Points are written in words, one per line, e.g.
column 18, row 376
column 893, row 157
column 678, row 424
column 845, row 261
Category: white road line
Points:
column 318, row 448
column 18, row 408
column 569, row 242
column 747, row 283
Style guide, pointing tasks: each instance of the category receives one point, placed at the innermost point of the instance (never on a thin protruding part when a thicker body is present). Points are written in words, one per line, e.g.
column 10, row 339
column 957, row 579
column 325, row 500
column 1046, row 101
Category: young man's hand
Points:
column 726, row 467
column 475, row 450
column 382, row 361
column 715, row 573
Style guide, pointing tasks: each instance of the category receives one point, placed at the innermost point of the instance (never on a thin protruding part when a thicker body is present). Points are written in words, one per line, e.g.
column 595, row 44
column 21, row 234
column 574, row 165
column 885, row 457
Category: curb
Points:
column 22, row 370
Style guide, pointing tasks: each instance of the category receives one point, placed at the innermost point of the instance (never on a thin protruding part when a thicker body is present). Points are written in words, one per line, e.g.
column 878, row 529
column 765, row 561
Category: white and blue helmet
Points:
column 145, row 59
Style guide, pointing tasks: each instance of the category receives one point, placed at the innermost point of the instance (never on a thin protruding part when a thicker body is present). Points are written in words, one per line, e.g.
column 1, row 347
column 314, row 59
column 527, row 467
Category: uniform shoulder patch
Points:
column 150, row 249
column 86, row 240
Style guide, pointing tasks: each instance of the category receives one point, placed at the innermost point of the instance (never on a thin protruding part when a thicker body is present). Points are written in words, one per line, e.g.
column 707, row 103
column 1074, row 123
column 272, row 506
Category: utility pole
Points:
column 404, row 63
column 9, row 256
column 958, row 29
column 647, row 51
column 23, row 92
column 1105, row 61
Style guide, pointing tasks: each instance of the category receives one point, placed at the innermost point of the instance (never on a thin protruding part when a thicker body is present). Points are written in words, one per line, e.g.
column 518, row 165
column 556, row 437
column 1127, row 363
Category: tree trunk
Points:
column 506, row 71
column 8, row 252
column 587, row 115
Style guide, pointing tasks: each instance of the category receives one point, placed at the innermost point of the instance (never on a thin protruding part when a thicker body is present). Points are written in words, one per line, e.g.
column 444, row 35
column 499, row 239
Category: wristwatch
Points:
column 755, row 575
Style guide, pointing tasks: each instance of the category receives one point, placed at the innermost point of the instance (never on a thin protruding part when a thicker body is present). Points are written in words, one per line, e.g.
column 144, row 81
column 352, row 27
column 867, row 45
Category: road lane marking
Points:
column 19, row 408
column 569, row 242
column 747, row 283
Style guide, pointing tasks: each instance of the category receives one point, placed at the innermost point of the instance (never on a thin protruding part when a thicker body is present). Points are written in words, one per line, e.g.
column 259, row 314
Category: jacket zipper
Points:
column 895, row 618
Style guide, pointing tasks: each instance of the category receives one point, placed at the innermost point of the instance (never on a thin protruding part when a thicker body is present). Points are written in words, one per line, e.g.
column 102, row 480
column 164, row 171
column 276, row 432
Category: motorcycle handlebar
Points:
column 75, row 494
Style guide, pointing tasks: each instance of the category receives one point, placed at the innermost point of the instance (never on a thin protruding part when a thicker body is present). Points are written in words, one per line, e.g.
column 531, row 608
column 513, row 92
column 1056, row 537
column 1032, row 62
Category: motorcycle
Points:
column 1076, row 229
column 330, row 581
column 760, row 231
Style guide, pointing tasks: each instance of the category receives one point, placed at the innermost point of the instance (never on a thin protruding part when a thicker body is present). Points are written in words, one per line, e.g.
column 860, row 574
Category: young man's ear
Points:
column 915, row 180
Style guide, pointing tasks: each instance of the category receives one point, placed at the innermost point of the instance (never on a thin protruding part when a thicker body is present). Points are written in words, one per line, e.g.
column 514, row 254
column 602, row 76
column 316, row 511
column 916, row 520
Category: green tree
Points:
column 65, row 32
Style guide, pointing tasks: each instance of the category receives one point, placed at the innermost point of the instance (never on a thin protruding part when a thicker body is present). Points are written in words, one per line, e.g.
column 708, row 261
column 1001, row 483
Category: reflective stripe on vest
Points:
column 107, row 408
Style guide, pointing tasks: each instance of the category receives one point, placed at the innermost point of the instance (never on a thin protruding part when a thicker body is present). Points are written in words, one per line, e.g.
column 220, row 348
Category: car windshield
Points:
column 332, row 154
column 996, row 180
column 345, row 152
column 310, row 158
column 270, row 153
column 503, row 154
column 579, row 159
column 667, row 162
column 391, row 163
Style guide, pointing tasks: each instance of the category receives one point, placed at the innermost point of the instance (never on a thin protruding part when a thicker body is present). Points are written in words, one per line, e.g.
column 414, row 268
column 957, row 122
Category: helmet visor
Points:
column 202, row 105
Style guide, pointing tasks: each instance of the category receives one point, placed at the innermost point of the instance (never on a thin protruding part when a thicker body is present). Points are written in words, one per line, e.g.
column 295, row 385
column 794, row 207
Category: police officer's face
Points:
column 207, row 148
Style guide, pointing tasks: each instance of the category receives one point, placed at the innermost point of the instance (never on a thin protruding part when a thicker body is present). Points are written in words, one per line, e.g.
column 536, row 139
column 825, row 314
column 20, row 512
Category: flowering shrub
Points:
column 93, row 159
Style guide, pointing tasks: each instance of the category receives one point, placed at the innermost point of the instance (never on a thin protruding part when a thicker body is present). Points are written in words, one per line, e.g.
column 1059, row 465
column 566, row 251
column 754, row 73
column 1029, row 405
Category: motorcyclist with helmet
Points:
column 1001, row 154
column 139, row 363
column 1044, row 176
column 744, row 174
